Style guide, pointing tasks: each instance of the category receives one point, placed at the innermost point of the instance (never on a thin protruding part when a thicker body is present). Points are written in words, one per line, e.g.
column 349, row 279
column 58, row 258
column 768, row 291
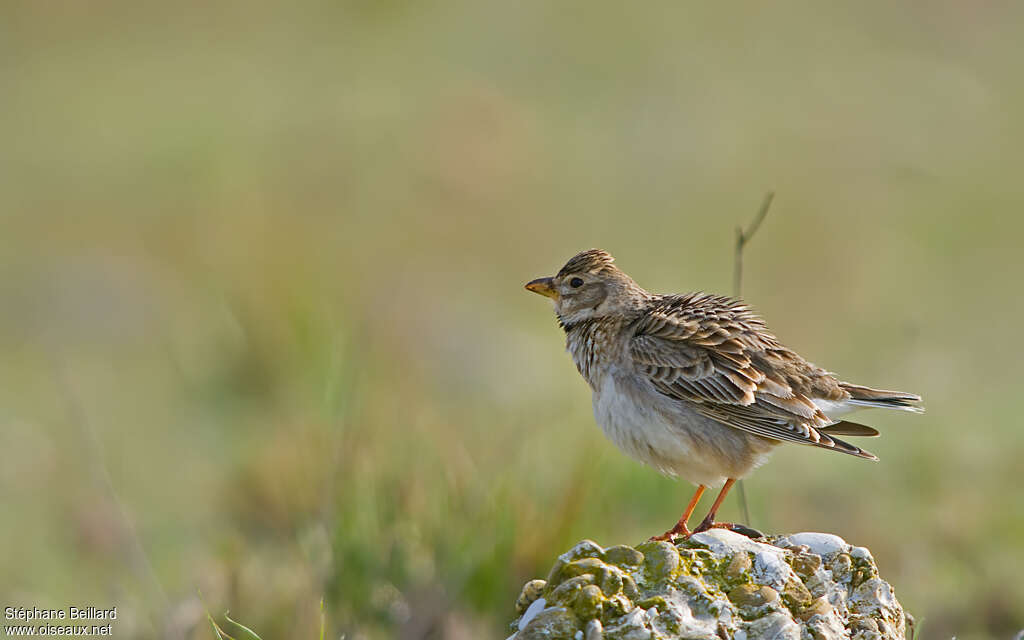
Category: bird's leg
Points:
column 681, row 528
column 709, row 521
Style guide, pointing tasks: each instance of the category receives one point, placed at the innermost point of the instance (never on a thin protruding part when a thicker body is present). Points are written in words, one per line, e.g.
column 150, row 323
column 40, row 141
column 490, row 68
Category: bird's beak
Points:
column 543, row 287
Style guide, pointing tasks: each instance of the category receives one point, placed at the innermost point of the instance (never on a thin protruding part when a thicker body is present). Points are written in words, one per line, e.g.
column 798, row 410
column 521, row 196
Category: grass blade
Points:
column 249, row 633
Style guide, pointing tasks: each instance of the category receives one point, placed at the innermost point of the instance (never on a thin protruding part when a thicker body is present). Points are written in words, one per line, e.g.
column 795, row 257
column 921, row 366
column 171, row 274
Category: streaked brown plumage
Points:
column 695, row 385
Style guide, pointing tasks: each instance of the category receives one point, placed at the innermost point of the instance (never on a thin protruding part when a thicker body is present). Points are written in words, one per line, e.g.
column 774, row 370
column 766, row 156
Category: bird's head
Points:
column 589, row 286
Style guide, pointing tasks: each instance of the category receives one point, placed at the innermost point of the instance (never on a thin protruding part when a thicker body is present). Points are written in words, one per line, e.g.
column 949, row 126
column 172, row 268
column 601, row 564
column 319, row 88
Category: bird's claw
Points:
column 743, row 530
column 672, row 534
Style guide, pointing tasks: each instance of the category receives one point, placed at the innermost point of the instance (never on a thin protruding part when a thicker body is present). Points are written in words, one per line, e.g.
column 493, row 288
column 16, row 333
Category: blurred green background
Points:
column 263, row 323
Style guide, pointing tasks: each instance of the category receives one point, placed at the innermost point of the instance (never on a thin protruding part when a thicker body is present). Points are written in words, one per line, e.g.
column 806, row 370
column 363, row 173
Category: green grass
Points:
column 264, row 330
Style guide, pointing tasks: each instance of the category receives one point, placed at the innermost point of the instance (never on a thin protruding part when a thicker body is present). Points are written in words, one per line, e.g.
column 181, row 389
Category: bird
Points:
column 695, row 385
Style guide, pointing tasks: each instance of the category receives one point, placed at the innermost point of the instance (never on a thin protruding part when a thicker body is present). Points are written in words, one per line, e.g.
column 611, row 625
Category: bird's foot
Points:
column 678, row 531
column 743, row 530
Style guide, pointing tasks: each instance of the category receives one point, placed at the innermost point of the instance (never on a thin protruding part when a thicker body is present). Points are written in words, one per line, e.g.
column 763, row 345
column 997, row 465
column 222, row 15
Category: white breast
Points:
column 659, row 436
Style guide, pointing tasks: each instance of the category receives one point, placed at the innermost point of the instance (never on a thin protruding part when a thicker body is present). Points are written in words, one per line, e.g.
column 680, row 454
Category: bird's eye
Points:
column 576, row 283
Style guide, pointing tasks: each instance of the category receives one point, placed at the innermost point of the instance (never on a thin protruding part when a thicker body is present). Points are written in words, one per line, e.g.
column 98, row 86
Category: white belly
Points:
column 653, row 430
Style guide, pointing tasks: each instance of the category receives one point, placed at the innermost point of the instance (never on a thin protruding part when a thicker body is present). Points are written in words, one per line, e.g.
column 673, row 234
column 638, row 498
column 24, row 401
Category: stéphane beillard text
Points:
column 71, row 613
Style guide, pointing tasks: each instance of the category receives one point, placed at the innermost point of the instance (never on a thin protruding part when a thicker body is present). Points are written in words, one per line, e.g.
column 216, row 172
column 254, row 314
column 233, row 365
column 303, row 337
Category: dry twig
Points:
column 742, row 238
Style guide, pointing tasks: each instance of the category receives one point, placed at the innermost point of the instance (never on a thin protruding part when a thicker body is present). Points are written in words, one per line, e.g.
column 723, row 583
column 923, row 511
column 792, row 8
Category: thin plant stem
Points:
column 742, row 238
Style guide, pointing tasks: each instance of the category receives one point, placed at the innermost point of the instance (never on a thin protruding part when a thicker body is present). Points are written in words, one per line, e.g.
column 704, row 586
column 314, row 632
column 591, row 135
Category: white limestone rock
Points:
column 718, row 584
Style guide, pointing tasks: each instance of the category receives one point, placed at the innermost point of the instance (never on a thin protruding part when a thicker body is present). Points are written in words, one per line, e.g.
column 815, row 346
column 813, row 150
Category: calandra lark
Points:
column 694, row 384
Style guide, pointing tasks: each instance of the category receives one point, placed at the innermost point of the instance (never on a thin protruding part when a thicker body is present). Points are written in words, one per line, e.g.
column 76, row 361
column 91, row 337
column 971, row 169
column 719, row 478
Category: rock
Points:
column 552, row 622
column 751, row 595
column 774, row 626
column 624, row 556
column 531, row 591
column 738, row 567
column 660, row 558
column 531, row 612
column 718, row 584
column 821, row 544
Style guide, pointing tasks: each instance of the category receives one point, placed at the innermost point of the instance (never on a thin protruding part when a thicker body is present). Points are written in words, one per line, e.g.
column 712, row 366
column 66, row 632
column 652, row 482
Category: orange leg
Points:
column 709, row 521
column 681, row 528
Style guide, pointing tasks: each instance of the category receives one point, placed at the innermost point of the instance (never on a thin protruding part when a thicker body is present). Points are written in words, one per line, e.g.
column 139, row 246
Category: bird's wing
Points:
column 716, row 356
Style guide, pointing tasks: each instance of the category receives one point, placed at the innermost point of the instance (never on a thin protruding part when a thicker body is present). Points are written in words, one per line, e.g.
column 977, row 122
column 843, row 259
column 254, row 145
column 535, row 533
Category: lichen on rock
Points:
column 717, row 584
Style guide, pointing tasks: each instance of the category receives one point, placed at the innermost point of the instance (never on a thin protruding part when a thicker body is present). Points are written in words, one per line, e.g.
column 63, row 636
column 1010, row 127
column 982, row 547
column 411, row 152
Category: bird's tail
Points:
column 879, row 398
